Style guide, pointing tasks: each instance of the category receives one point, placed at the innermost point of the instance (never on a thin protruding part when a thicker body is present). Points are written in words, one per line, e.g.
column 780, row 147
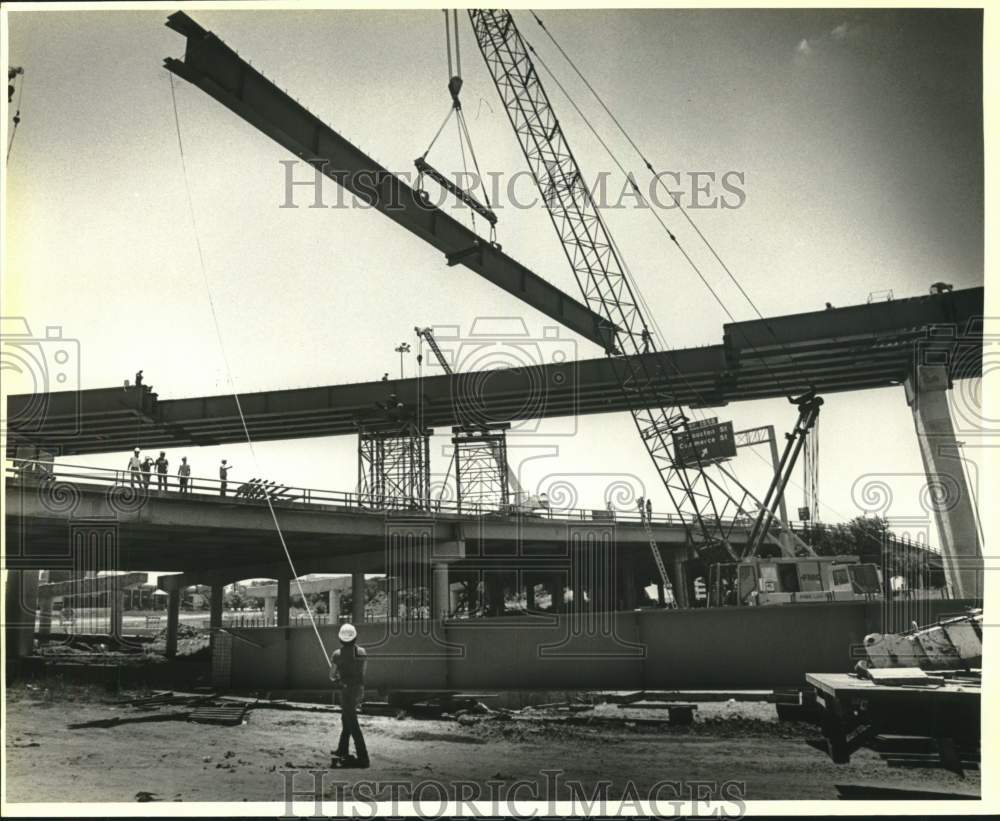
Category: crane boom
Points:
column 707, row 509
column 428, row 336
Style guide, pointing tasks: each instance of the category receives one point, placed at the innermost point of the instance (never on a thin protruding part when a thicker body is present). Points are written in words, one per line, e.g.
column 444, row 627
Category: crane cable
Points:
column 659, row 180
column 229, row 374
column 649, row 316
column 464, row 136
column 809, row 487
column 673, row 237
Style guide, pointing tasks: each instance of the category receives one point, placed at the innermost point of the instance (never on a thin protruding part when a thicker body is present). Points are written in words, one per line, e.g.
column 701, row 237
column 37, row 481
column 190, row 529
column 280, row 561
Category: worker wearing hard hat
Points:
column 347, row 669
column 134, row 468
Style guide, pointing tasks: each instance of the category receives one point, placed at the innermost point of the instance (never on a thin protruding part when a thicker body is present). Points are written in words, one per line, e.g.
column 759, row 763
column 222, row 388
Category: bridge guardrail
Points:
column 36, row 472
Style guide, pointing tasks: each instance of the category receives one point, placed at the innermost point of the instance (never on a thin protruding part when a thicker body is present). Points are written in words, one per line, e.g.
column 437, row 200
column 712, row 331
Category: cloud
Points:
column 803, row 47
column 839, row 32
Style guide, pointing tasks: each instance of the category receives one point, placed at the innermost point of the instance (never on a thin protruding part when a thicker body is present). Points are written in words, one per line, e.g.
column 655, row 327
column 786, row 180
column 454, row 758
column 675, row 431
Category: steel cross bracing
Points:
column 809, row 405
column 603, row 282
column 481, row 477
column 394, row 468
column 499, row 453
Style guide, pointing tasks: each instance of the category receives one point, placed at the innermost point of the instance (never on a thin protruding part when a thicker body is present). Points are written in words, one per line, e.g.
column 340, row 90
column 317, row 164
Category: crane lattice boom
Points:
column 707, row 509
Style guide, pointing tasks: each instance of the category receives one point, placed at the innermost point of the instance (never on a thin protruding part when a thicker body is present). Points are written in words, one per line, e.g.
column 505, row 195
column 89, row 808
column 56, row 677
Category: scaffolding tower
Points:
column 482, row 483
column 394, row 468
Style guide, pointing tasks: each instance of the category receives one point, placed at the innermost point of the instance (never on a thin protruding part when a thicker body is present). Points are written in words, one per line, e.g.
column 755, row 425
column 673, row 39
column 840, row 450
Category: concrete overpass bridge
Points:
column 852, row 348
column 91, row 519
column 922, row 344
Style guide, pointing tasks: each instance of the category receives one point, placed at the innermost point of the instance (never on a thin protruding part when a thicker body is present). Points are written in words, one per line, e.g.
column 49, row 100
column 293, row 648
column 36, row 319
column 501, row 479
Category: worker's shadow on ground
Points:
column 117, row 720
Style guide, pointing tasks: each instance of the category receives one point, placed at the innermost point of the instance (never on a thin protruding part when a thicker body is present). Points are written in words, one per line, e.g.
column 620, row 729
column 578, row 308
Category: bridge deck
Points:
column 326, row 531
column 843, row 349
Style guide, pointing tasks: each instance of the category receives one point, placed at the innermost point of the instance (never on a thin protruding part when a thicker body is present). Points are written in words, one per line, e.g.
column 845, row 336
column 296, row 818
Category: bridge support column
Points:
column 927, row 395
column 493, row 593
column 333, row 606
column 558, row 593
column 472, row 586
column 440, row 591
column 358, row 597
column 19, row 612
column 680, row 586
column 598, row 594
column 44, row 615
column 284, row 600
column 173, row 620
column 116, row 611
column 392, row 585
column 215, row 606
column 529, row 590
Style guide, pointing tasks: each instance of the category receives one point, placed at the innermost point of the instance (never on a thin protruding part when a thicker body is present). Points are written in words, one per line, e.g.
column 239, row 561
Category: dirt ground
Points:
column 51, row 757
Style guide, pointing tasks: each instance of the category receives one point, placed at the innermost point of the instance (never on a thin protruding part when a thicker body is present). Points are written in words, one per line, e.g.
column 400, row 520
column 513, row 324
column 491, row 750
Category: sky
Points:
column 857, row 135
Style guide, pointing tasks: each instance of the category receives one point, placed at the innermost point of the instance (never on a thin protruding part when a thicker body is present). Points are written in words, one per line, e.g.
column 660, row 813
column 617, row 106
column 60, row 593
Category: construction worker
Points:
column 649, row 510
column 161, row 472
column 223, row 477
column 642, row 506
column 134, row 468
column 184, row 471
column 147, row 471
column 138, row 379
column 347, row 670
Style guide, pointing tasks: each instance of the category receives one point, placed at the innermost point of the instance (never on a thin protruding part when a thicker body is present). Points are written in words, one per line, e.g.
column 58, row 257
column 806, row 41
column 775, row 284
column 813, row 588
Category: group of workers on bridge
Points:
column 141, row 471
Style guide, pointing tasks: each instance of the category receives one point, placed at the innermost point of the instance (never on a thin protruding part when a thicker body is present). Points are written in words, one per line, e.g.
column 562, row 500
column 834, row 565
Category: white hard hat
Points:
column 348, row 632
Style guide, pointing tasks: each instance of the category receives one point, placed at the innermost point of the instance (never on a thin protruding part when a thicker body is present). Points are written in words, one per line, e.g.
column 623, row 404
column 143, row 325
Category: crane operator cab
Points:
column 788, row 580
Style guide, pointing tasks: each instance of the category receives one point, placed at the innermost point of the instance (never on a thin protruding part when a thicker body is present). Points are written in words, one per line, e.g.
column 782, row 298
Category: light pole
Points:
column 403, row 347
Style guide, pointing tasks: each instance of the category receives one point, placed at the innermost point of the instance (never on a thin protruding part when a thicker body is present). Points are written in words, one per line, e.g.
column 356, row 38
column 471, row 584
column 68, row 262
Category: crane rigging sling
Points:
column 424, row 168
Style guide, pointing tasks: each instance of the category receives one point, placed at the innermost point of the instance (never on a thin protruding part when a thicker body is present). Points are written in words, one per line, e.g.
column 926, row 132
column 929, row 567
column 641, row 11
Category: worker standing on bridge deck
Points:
column 147, row 471
column 347, row 669
column 223, row 476
column 162, row 463
column 134, row 467
column 184, row 471
column 649, row 510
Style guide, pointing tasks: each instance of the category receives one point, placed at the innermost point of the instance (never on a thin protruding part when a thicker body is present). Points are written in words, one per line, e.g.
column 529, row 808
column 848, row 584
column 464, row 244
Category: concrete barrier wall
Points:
column 508, row 653
column 744, row 648
column 758, row 647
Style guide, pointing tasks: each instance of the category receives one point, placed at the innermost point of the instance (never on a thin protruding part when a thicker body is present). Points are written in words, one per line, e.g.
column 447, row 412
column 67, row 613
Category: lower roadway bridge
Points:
column 90, row 519
column 211, row 538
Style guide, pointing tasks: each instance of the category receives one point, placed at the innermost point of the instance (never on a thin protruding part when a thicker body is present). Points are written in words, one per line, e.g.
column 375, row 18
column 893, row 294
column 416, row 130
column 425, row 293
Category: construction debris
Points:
column 950, row 644
column 648, row 697
column 226, row 713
